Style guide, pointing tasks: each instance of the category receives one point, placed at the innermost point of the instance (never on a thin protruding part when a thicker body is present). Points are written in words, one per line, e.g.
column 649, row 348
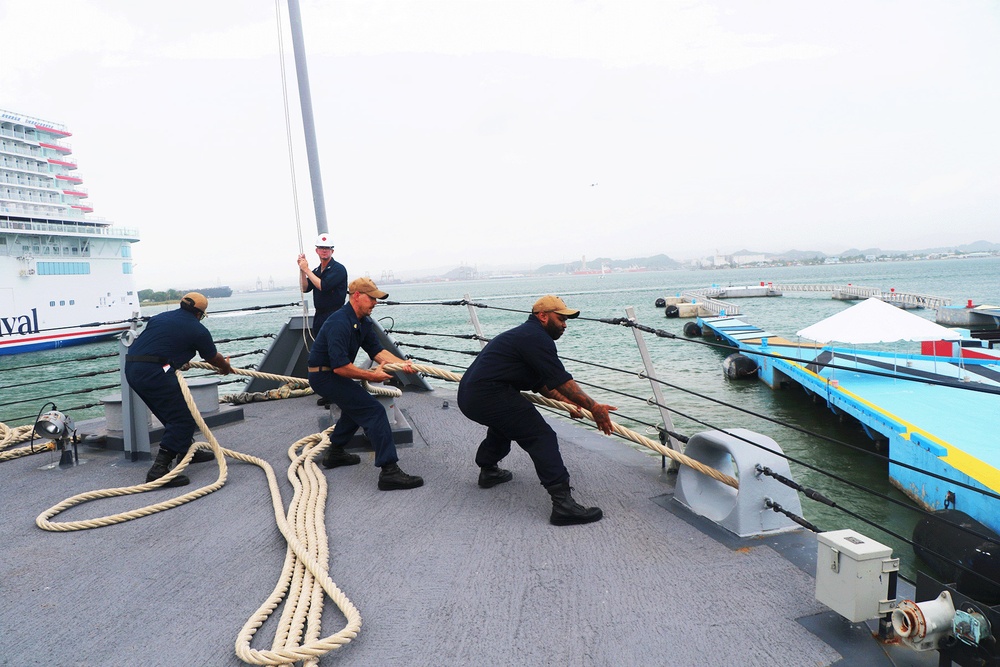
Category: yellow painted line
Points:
column 962, row 461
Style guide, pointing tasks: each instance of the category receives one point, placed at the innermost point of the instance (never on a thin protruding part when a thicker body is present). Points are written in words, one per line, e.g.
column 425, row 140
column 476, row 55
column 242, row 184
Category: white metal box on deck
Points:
column 852, row 574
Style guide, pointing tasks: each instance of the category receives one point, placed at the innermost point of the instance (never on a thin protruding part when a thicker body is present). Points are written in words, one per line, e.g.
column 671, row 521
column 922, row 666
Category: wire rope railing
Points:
column 659, row 333
column 448, row 352
column 65, row 370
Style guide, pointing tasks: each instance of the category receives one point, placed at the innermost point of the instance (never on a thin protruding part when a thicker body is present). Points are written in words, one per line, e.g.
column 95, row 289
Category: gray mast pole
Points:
column 308, row 126
column 289, row 353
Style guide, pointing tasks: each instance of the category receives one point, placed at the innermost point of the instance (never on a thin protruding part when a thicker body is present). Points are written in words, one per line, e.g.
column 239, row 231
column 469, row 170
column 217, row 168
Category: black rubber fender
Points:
column 947, row 534
column 692, row 330
column 739, row 367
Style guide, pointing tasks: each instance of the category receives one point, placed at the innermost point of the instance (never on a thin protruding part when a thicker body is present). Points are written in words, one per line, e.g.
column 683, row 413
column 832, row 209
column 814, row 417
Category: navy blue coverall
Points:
column 331, row 294
column 337, row 345
column 173, row 338
column 521, row 359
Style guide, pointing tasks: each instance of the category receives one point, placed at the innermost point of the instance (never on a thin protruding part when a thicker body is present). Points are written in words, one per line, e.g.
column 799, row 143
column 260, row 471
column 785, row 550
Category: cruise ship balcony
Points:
column 71, row 179
column 56, row 147
column 52, row 130
column 77, row 193
column 69, row 164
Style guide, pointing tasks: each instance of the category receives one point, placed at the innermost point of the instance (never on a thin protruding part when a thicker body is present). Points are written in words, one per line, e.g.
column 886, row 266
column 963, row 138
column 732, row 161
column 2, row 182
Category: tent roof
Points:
column 874, row 321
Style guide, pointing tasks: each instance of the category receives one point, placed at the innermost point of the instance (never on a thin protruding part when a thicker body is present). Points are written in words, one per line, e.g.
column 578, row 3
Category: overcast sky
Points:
column 500, row 133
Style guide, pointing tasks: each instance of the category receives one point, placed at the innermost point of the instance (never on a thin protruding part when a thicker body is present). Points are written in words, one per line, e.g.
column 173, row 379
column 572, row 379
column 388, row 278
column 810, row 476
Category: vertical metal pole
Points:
column 475, row 321
column 308, row 125
column 657, row 393
column 135, row 428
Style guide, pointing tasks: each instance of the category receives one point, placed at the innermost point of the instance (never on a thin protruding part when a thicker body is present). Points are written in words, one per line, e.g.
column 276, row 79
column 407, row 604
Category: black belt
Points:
column 147, row 358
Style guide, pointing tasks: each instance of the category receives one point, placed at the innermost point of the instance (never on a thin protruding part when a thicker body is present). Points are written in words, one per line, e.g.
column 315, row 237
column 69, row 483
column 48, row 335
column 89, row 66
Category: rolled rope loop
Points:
column 305, row 576
column 11, row 436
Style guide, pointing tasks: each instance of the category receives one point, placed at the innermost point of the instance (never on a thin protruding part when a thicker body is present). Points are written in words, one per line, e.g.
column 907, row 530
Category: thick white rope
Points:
column 626, row 433
column 617, row 428
column 306, row 332
column 12, row 436
column 305, row 577
column 294, row 387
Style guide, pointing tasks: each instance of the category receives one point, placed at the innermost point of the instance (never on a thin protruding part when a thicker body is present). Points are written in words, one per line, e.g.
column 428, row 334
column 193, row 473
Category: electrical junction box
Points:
column 852, row 575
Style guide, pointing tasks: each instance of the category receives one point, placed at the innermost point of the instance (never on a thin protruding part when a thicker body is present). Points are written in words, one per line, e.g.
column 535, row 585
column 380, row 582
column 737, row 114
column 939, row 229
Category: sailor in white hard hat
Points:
column 327, row 282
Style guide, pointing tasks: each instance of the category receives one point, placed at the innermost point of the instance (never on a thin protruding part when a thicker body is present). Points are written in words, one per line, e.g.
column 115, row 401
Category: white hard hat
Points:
column 324, row 241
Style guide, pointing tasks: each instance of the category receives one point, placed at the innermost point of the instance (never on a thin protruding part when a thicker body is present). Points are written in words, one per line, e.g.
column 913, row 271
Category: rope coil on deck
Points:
column 13, row 435
column 284, row 391
column 305, row 577
column 292, row 387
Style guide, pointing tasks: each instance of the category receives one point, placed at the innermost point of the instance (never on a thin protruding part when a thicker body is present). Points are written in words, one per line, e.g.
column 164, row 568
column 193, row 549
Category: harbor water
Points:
column 606, row 360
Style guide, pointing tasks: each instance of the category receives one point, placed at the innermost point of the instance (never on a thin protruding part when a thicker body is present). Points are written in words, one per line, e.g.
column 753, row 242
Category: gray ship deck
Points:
column 448, row 574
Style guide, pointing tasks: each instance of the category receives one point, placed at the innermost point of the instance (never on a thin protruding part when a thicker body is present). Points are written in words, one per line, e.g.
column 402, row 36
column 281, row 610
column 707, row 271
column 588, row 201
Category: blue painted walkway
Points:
column 949, row 429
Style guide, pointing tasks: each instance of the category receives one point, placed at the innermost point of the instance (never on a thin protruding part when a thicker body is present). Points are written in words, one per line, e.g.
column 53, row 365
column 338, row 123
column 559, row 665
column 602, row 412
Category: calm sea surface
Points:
column 690, row 365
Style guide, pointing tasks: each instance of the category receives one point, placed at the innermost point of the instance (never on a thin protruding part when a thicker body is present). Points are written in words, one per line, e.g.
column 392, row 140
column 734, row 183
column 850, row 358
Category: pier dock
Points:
column 939, row 427
column 851, row 292
column 709, row 301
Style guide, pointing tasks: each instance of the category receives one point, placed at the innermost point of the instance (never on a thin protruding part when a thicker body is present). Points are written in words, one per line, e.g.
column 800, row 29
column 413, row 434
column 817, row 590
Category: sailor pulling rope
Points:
column 626, row 433
column 305, row 575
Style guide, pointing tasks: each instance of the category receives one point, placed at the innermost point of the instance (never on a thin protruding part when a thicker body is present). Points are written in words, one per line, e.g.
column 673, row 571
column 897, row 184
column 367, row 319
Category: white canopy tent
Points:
column 874, row 321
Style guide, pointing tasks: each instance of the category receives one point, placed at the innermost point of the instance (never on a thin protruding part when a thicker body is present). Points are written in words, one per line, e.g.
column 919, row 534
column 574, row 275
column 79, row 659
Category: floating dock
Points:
column 737, row 292
column 708, row 301
column 948, row 428
column 980, row 317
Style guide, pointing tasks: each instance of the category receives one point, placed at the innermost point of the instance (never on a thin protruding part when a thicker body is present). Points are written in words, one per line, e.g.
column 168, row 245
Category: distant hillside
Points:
column 805, row 255
column 977, row 246
column 215, row 292
column 662, row 262
column 653, row 263
column 171, row 295
column 460, row 273
column 800, row 255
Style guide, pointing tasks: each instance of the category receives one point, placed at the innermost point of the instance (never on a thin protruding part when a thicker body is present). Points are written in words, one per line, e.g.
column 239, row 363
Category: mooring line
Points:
column 617, row 428
column 305, row 578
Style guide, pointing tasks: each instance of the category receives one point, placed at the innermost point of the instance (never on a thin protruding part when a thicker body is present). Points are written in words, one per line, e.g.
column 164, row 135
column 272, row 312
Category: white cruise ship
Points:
column 65, row 279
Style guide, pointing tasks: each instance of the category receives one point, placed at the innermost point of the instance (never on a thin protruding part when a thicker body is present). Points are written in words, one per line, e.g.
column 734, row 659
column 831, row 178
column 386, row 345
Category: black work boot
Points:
column 490, row 476
column 568, row 512
column 336, row 457
column 161, row 466
column 392, row 478
column 200, row 456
